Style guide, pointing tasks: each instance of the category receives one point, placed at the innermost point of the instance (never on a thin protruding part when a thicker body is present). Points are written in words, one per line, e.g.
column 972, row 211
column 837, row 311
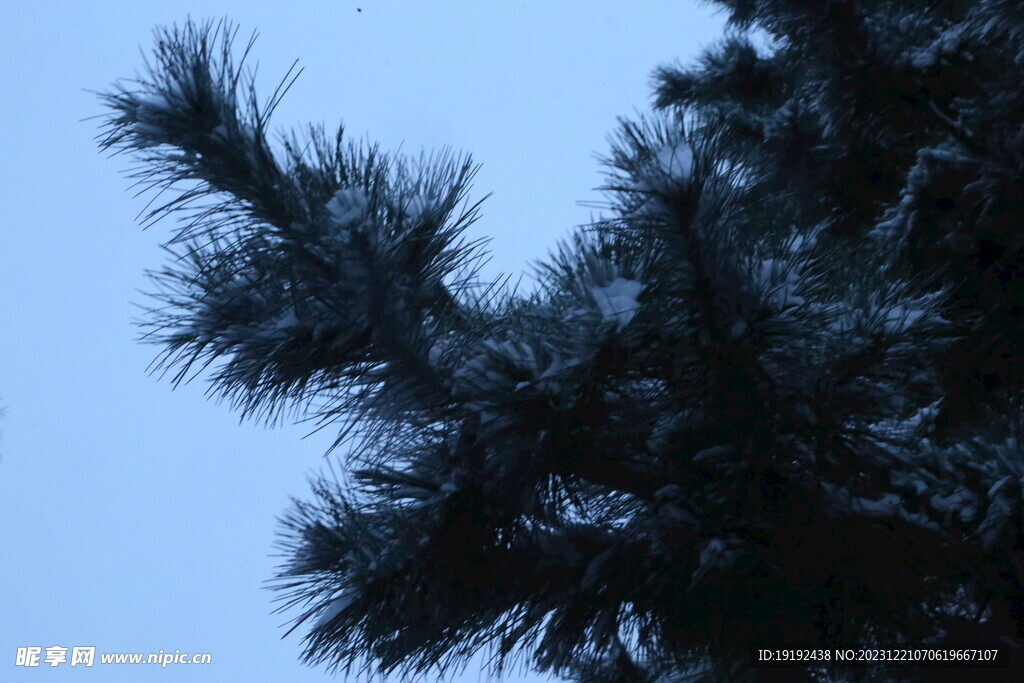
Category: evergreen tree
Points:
column 772, row 395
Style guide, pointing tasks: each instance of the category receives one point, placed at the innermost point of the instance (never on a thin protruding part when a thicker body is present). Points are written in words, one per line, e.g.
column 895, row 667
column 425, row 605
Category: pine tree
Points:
column 770, row 396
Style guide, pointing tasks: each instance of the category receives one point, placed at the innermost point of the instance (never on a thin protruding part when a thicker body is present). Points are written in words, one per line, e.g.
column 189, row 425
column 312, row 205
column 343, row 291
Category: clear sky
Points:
column 135, row 518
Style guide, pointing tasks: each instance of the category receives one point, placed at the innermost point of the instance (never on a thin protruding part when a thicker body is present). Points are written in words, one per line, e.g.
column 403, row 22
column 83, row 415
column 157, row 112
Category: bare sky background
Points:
column 136, row 518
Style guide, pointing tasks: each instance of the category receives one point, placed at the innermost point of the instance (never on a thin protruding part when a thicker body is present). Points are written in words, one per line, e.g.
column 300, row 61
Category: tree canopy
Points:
column 771, row 395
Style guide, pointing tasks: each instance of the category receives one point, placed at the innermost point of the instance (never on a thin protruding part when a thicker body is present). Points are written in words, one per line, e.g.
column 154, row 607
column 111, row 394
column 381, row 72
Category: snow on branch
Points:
column 305, row 270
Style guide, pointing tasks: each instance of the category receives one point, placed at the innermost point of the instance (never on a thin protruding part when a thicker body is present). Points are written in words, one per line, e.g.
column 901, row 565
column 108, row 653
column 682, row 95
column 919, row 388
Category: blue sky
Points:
column 136, row 518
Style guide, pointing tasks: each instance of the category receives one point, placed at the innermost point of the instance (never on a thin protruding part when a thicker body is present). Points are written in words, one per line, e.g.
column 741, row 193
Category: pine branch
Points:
column 321, row 273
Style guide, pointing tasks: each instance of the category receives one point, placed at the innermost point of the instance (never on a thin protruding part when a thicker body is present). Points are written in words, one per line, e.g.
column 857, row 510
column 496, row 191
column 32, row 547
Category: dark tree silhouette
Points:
column 772, row 395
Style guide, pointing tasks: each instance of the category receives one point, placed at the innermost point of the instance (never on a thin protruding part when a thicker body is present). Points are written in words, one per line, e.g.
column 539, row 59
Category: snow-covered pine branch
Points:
column 773, row 393
column 321, row 268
